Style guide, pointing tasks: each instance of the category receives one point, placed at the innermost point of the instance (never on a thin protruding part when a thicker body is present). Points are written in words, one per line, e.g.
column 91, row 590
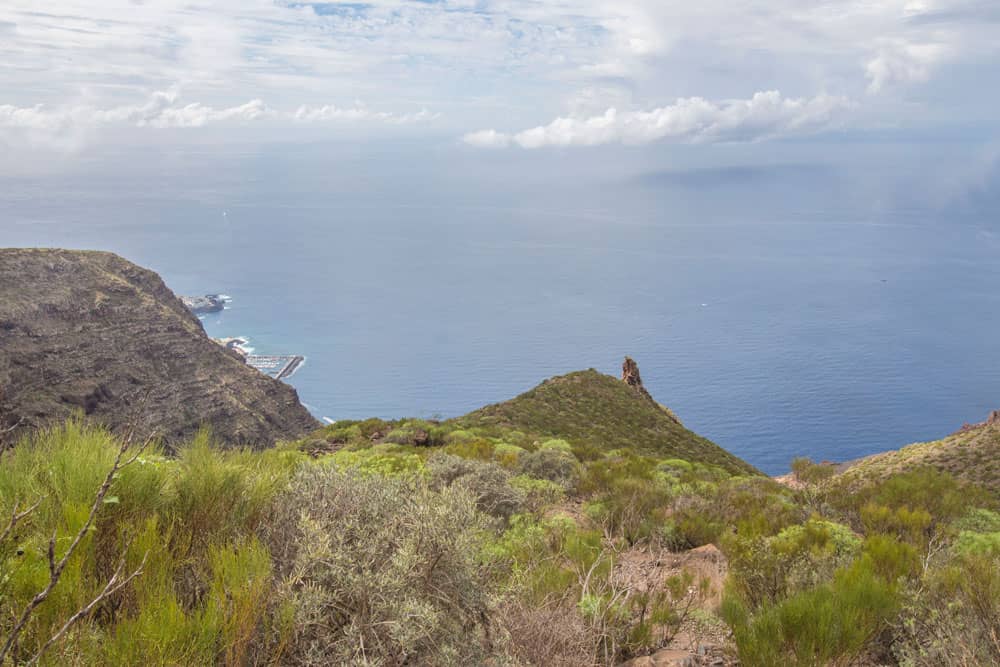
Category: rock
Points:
column 91, row 332
column 631, row 377
column 630, row 373
column 994, row 417
column 210, row 303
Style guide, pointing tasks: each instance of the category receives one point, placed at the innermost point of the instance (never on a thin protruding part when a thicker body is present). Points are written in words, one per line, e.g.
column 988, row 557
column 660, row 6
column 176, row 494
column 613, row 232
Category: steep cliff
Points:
column 92, row 332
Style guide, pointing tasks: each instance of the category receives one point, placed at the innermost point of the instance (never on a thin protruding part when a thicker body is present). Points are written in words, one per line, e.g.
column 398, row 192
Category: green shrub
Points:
column 379, row 460
column 507, row 455
column 812, row 473
column 766, row 569
column 973, row 543
column 631, row 509
column 911, row 525
column 979, row 520
column 175, row 512
column 560, row 445
column 552, row 464
column 830, row 624
column 952, row 616
column 548, row 559
column 238, row 595
column 479, row 448
column 538, row 493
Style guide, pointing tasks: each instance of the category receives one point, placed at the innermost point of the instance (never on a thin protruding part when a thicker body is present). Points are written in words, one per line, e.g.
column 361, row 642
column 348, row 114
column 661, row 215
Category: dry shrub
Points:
column 488, row 482
column 552, row 635
column 377, row 570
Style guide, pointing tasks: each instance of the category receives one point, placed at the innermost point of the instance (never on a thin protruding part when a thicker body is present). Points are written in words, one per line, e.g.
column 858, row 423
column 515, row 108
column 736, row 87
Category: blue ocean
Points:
column 779, row 307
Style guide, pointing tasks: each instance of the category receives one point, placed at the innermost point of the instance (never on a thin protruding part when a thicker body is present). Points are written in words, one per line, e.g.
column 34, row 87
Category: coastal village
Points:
column 277, row 366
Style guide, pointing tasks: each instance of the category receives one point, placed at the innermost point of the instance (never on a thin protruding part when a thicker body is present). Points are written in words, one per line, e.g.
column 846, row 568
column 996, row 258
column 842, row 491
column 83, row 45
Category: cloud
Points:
column 480, row 62
column 902, row 62
column 164, row 110
column 160, row 111
column 766, row 115
column 487, row 139
column 330, row 112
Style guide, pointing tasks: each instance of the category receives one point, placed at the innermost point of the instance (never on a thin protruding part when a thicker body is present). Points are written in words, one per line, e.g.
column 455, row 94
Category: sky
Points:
column 493, row 75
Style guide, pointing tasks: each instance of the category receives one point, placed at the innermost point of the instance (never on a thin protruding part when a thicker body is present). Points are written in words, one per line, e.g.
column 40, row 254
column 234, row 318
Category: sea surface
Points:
column 781, row 306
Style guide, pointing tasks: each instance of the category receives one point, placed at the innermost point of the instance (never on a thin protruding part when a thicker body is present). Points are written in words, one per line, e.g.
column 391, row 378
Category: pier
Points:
column 278, row 366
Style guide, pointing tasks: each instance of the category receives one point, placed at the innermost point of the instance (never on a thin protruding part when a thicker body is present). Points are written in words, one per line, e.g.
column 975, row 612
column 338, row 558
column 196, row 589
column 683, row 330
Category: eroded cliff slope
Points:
column 92, row 332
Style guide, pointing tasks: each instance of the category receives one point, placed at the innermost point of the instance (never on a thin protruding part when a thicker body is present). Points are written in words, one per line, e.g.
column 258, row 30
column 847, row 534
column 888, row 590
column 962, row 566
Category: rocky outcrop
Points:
column 91, row 332
column 993, row 419
column 210, row 303
column 631, row 377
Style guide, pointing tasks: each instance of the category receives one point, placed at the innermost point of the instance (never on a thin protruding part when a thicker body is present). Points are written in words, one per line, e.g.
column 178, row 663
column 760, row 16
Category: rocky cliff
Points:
column 92, row 332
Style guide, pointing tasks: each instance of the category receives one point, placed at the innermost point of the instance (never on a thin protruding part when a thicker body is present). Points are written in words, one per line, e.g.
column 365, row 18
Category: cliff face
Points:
column 91, row 331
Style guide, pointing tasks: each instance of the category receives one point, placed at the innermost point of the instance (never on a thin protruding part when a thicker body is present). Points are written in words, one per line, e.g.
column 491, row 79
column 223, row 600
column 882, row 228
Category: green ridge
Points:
column 592, row 409
column 972, row 454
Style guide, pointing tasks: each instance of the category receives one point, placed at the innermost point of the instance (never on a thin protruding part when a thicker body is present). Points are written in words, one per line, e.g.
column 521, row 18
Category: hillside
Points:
column 92, row 332
column 596, row 410
column 972, row 454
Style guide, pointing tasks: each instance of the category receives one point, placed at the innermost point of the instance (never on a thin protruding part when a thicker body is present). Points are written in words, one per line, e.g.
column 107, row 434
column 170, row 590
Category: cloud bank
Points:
column 766, row 115
column 163, row 109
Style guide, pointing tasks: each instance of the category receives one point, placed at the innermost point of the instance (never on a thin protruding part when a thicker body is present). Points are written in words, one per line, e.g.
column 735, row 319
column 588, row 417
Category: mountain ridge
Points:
column 592, row 409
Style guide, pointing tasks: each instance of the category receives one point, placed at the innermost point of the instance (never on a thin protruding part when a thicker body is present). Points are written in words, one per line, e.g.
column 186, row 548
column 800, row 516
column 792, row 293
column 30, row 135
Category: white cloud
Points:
column 901, row 63
column 487, row 139
column 330, row 112
column 160, row 111
column 164, row 110
column 766, row 115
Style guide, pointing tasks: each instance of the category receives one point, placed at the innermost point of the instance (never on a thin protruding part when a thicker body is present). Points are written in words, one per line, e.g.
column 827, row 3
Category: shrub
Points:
column 631, row 509
column 549, row 634
column 384, row 460
column 830, row 624
column 538, row 493
column 979, row 520
column 552, row 464
column 560, row 445
column 507, row 455
column 812, row 473
column 912, row 525
column 952, row 617
column 379, row 570
column 205, row 580
column 479, row 448
column 487, row 482
column 766, row 569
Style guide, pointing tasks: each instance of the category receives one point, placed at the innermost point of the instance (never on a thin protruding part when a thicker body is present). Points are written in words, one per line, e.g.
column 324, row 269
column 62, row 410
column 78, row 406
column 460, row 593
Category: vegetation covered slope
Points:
column 93, row 332
column 590, row 409
column 972, row 453
column 475, row 551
